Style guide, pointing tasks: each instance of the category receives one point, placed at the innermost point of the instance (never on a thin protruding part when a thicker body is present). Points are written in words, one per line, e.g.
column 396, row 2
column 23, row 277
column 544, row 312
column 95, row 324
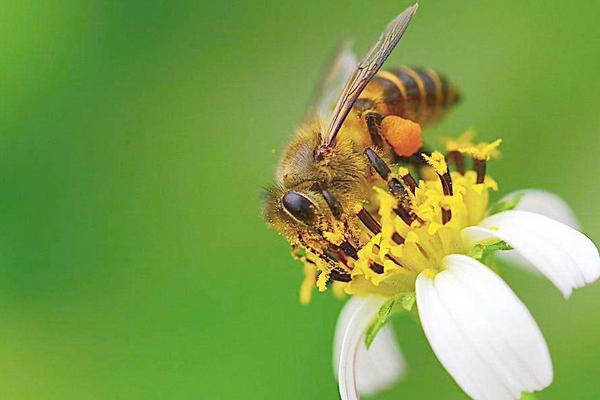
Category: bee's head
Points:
column 294, row 213
column 312, row 196
column 299, row 207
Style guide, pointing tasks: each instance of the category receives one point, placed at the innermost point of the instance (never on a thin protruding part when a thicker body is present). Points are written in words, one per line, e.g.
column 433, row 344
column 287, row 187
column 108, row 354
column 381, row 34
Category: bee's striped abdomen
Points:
column 419, row 94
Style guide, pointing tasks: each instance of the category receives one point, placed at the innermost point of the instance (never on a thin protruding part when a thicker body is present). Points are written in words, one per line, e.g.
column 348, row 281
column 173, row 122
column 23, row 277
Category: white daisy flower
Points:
column 435, row 249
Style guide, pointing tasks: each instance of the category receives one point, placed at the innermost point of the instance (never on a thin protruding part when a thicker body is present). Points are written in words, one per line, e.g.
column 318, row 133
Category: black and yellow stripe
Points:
column 419, row 94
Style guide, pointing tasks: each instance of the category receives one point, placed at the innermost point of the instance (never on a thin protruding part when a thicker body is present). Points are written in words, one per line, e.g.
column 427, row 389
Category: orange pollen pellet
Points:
column 403, row 135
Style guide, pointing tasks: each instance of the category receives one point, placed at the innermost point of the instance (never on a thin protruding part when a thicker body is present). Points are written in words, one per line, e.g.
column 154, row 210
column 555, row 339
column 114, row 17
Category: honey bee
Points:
column 329, row 168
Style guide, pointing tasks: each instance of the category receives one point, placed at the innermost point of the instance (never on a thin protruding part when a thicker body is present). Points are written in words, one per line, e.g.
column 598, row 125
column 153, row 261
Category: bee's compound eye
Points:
column 299, row 207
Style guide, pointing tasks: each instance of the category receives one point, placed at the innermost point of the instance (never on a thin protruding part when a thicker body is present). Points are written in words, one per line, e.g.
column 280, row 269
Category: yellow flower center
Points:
column 391, row 260
column 416, row 231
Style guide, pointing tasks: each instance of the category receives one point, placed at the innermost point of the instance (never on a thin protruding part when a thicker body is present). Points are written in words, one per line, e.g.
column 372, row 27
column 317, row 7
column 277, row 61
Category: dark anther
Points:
column 333, row 203
column 373, row 121
column 458, row 160
column 397, row 238
column 349, row 250
column 446, row 183
column 336, row 275
column 410, row 183
column 446, row 215
column 392, row 259
column 480, row 168
column 299, row 207
column 378, row 164
column 367, row 219
column 377, row 268
column 387, row 256
column 405, row 215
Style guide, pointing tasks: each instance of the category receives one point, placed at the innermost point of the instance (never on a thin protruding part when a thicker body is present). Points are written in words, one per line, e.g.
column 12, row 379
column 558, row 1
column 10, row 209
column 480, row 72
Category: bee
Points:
column 329, row 168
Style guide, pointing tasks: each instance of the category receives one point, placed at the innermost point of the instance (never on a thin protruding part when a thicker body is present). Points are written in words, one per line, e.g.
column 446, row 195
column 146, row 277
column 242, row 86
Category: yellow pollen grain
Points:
column 402, row 171
column 334, row 237
column 437, row 161
column 483, row 151
column 322, row 281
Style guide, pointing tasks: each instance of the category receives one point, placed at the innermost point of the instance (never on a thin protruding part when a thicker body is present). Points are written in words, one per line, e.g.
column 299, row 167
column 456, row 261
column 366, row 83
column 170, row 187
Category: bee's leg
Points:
column 335, row 272
column 394, row 185
column 383, row 170
column 373, row 121
column 338, row 271
column 327, row 258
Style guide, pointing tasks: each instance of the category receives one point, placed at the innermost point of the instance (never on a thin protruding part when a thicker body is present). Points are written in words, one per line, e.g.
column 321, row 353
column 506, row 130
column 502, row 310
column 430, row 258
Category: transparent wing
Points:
column 340, row 68
column 368, row 67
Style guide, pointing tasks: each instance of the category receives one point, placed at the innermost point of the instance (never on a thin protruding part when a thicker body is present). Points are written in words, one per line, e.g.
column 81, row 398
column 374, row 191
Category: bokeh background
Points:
column 136, row 136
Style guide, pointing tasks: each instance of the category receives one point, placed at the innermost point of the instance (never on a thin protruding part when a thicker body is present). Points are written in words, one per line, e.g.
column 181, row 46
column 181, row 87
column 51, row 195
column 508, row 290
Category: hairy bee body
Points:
column 421, row 95
column 326, row 174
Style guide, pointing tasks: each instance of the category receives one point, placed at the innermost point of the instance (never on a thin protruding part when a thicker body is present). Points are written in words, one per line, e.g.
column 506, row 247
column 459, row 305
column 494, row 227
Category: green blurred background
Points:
column 136, row 136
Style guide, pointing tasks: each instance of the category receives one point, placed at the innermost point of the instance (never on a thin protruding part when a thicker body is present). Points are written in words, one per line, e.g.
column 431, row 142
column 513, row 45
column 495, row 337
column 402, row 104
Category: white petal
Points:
column 568, row 258
column 544, row 203
column 481, row 332
column 539, row 202
column 362, row 371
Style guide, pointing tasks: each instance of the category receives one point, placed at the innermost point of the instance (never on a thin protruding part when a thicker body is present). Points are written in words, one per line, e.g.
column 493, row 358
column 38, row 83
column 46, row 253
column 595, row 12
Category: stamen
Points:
column 446, row 215
column 372, row 225
column 480, row 166
column 392, row 259
column 446, row 180
column 367, row 219
column 389, row 257
column 408, row 180
column 422, row 250
column 437, row 161
column 404, row 214
column 377, row 268
column 481, row 153
column 397, row 238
